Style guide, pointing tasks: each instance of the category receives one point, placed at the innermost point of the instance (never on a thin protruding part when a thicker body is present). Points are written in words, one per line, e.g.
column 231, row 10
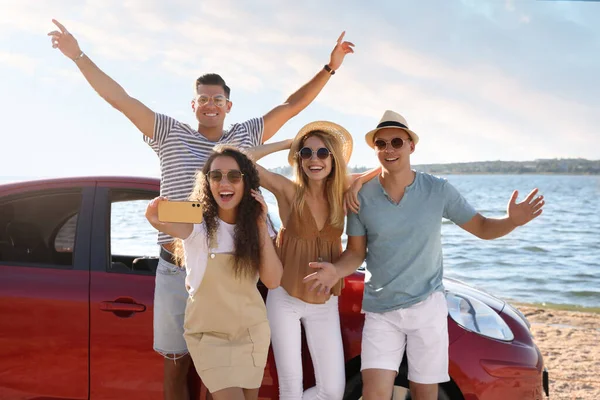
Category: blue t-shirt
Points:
column 404, row 246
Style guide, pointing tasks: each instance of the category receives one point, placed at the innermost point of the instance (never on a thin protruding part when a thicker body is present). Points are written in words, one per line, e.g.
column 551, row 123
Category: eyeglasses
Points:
column 218, row 100
column 306, row 153
column 233, row 175
column 395, row 142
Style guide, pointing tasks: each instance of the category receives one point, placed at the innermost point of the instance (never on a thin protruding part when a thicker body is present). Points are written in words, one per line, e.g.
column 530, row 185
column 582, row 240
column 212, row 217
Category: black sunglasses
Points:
column 233, row 175
column 306, row 153
column 395, row 142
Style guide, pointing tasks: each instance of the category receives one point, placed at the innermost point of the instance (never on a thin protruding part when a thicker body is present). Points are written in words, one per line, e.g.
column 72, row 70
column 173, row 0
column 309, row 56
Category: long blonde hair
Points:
column 336, row 181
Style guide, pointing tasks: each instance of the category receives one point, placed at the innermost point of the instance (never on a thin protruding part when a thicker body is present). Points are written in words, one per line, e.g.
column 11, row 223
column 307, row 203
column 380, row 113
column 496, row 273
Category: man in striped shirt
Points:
column 182, row 150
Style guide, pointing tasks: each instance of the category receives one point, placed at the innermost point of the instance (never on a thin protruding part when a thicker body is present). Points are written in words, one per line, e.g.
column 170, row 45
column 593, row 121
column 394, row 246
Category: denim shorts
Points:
column 170, row 297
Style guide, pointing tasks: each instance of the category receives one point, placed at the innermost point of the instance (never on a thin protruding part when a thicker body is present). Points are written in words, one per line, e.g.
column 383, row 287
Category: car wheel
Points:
column 354, row 390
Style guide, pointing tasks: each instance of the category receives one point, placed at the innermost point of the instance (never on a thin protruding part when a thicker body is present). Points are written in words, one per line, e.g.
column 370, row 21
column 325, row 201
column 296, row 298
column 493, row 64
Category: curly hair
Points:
column 247, row 249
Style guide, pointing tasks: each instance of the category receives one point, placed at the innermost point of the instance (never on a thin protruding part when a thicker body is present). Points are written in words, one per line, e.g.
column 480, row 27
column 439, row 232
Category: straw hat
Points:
column 339, row 133
column 391, row 119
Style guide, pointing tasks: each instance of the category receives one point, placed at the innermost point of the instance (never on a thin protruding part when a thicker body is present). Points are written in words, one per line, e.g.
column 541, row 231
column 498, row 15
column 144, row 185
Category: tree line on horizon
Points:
column 570, row 166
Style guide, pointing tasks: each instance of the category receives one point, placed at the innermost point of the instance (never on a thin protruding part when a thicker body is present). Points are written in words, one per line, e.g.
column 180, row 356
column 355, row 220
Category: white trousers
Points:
column 321, row 324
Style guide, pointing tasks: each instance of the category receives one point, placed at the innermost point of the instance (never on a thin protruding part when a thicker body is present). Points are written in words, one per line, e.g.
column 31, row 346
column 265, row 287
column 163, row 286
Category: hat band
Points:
column 386, row 124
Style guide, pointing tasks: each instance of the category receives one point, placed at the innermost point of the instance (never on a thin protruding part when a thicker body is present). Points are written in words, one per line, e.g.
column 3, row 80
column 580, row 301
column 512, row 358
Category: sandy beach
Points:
column 570, row 343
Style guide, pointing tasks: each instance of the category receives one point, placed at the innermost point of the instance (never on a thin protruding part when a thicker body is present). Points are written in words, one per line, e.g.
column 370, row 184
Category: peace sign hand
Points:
column 64, row 41
column 339, row 52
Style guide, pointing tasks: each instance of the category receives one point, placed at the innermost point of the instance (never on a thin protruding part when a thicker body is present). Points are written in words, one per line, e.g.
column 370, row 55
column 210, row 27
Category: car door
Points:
column 123, row 364
column 44, row 290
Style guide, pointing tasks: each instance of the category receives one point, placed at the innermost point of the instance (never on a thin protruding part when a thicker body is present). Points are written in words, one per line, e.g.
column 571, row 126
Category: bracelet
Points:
column 328, row 69
column 79, row 56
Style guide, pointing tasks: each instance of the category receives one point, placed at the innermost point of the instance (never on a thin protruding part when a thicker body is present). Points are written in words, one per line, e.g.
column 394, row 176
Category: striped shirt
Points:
column 182, row 151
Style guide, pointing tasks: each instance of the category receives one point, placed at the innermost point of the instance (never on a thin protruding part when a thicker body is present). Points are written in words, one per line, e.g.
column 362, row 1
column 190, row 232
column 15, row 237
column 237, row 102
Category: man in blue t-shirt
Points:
column 399, row 223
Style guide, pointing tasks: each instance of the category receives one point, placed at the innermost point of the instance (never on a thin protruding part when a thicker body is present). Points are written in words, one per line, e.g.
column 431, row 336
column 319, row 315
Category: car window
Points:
column 39, row 229
column 133, row 245
column 65, row 238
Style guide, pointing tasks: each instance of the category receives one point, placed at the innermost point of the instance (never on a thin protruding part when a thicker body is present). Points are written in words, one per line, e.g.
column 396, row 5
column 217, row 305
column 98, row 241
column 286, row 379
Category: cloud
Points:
column 21, row 62
column 509, row 5
column 515, row 77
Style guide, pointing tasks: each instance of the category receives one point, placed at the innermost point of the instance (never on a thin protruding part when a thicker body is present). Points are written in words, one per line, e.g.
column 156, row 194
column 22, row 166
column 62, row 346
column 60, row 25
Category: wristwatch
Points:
column 328, row 69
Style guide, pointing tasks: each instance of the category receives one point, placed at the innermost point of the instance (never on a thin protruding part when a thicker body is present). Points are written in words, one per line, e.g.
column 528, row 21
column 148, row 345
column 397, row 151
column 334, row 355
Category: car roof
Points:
column 49, row 183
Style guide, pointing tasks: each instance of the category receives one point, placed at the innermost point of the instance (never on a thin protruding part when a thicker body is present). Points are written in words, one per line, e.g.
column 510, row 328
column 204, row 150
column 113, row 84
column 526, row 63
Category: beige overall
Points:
column 226, row 328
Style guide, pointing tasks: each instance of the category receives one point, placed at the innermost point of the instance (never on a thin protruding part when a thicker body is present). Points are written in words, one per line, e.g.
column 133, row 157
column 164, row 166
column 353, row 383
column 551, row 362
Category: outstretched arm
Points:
column 300, row 99
column 279, row 185
column 181, row 231
column 517, row 215
column 355, row 183
column 257, row 152
column 141, row 116
column 364, row 177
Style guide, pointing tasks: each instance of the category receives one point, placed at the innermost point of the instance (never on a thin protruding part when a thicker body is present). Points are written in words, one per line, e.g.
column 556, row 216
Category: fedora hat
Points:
column 391, row 119
column 338, row 132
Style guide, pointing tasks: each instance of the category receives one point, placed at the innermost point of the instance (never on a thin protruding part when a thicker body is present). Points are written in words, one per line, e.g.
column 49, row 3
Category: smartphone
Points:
column 180, row 211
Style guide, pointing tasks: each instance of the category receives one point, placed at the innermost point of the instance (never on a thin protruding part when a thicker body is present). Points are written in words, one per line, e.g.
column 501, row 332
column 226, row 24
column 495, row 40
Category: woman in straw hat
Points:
column 312, row 214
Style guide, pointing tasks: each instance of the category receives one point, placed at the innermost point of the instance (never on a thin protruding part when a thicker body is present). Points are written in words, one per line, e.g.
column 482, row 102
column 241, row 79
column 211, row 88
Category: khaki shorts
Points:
column 421, row 329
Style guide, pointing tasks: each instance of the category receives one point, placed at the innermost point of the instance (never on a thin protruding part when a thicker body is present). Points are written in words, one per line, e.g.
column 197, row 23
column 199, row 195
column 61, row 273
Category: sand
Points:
column 570, row 344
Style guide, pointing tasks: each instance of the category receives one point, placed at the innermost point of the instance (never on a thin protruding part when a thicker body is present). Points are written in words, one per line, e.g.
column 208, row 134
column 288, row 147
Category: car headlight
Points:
column 521, row 315
column 475, row 316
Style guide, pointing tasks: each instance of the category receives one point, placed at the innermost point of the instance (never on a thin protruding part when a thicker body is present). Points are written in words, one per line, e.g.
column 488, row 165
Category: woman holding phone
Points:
column 226, row 326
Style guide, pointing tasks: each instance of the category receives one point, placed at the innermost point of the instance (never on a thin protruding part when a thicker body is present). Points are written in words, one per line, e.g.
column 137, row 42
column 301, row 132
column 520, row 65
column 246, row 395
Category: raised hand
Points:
column 324, row 278
column 525, row 211
column 262, row 218
column 339, row 52
column 64, row 41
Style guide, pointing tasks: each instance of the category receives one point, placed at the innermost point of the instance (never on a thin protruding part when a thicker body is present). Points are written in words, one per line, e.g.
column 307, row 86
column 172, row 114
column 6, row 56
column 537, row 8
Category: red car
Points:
column 76, row 311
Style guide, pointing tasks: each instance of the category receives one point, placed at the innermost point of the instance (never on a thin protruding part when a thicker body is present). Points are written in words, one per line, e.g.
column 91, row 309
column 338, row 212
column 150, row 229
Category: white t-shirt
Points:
column 197, row 252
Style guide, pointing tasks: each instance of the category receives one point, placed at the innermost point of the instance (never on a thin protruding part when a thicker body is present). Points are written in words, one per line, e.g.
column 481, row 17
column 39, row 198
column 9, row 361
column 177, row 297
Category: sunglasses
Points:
column 395, row 142
column 233, row 175
column 218, row 100
column 306, row 153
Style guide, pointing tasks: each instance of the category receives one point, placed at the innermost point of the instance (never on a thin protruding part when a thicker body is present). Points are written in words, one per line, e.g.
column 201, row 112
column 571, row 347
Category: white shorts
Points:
column 421, row 329
column 170, row 297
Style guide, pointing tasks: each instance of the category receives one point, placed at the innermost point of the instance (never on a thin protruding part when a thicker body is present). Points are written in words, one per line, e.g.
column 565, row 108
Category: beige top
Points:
column 301, row 242
column 225, row 304
column 226, row 327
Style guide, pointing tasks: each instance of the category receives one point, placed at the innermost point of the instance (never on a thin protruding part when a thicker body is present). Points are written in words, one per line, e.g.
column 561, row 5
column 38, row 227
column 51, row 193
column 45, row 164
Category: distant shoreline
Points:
column 566, row 167
column 571, row 166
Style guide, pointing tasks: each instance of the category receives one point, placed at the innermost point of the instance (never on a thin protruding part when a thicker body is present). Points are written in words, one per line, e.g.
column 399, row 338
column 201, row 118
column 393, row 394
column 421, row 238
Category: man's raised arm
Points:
column 300, row 99
column 141, row 116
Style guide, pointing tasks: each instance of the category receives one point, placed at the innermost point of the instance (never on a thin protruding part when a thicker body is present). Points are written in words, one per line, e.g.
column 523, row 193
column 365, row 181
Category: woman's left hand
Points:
column 262, row 218
column 351, row 201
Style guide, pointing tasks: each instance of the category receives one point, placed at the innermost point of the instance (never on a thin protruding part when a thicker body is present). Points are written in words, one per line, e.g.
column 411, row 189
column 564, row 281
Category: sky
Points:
column 476, row 79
